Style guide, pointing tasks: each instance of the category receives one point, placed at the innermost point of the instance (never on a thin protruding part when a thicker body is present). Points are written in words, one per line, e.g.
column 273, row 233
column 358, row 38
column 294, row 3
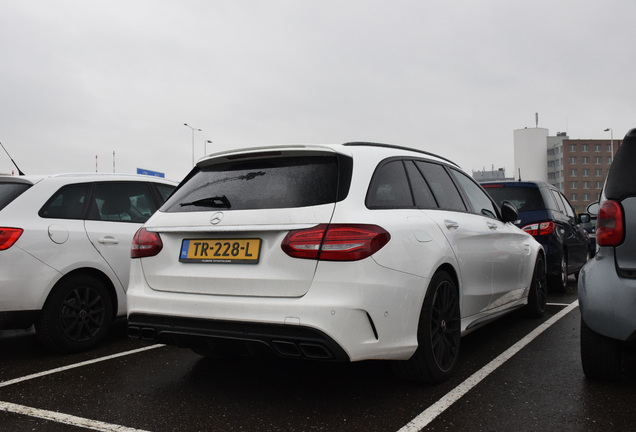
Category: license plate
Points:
column 220, row 251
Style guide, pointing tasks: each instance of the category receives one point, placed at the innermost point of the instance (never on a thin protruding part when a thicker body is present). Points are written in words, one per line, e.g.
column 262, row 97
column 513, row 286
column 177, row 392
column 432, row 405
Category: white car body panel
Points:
column 50, row 248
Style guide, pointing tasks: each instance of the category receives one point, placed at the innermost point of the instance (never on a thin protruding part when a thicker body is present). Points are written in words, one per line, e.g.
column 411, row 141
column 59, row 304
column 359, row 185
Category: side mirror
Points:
column 584, row 218
column 508, row 212
column 593, row 208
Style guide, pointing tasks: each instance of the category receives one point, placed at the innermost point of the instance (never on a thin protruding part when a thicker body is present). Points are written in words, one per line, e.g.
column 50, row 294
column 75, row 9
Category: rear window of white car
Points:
column 10, row 191
column 264, row 183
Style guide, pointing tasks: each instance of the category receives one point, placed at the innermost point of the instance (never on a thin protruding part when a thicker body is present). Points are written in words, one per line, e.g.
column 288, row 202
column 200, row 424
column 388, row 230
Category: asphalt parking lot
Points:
column 514, row 374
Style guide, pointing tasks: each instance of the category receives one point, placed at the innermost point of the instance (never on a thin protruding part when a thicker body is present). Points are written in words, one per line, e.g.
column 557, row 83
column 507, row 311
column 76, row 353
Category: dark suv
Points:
column 607, row 284
column 546, row 214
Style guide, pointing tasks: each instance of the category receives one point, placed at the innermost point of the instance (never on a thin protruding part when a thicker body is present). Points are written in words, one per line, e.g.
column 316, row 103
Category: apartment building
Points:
column 577, row 167
column 585, row 166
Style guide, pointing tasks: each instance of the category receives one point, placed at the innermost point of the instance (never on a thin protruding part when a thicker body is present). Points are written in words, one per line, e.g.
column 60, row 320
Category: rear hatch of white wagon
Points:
column 222, row 230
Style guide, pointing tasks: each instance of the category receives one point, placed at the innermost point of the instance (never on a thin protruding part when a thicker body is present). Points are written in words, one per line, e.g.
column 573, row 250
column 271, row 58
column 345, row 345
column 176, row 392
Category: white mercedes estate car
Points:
column 65, row 251
column 331, row 252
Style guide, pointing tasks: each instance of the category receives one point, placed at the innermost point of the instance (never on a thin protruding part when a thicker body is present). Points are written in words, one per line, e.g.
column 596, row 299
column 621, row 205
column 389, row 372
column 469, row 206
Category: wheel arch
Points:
column 448, row 268
column 96, row 274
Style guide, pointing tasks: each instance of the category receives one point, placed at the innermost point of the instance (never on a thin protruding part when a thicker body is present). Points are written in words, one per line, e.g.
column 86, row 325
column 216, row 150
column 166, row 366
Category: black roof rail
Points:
column 397, row 147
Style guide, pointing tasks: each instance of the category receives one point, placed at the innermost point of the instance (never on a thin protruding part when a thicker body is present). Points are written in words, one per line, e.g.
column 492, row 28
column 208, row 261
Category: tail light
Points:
column 610, row 230
column 145, row 244
column 8, row 237
column 540, row 228
column 335, row 242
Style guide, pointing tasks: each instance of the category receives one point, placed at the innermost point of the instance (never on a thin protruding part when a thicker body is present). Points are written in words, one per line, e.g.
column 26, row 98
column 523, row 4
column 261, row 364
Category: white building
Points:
column 531, row 158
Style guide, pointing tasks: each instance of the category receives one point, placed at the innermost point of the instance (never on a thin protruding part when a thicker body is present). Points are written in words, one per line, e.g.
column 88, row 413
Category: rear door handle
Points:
column 108, row 240
column 451, row 225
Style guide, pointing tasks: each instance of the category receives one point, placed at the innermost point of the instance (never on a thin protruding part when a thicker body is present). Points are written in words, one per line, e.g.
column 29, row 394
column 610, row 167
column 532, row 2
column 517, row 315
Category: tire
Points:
column 76, row 315
column 587, row 258
column 601, row 356
column 559, row 282
column 538, row 295
column 438, row 334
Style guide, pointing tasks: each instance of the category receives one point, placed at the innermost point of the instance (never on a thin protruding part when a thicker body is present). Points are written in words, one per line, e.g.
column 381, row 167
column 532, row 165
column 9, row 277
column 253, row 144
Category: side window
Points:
column 67, row 203
column 557, row 198
column 442, row 186
column 389, row 188
column 568, row 208
column 122, row 202
column 550, row 200
column 422, row 193
column 478, row 199
column 164, row 190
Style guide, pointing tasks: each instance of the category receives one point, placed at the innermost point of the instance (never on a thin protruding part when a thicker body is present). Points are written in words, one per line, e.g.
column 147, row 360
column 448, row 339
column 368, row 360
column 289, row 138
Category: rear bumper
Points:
column 249, row 339
column 339, row 319
column 607, row 301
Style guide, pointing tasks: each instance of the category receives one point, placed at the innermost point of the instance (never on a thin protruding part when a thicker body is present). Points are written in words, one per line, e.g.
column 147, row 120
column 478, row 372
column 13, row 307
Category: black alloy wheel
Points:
column 538, row 295
column 439, row 333
column 76, row 316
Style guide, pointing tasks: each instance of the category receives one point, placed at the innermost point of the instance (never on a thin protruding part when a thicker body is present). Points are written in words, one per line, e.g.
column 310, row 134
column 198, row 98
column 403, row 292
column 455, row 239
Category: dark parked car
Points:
column 546, row 214
column 607, row 284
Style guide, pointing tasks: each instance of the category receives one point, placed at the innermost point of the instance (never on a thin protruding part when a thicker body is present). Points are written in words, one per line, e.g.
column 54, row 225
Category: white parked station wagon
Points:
column 331, row 252
column 65, row 251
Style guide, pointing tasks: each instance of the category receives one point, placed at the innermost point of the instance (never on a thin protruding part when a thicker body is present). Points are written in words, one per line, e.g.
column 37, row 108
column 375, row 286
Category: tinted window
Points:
column 10, row 191
column 557, row 198
column 568, row 208
column 444, row 190
column 523, row 198
column 389, row 188
column 422, row 193
column 164, row 190
column 122, row 202
column 478, row 198
column 67, row 203
column 264, row 183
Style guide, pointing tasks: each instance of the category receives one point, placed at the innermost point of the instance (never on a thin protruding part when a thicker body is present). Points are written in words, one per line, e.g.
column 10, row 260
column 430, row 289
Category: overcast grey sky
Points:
column 80, row 78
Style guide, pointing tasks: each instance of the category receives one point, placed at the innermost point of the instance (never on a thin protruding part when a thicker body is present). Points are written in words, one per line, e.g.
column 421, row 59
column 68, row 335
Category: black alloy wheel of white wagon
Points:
column 538, row 295
column 76, row 316
column 439, row 333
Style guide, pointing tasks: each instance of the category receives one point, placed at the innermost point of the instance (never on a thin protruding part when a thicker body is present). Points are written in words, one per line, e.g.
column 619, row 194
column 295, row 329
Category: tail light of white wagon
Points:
column 335, row 242
column 145, row 244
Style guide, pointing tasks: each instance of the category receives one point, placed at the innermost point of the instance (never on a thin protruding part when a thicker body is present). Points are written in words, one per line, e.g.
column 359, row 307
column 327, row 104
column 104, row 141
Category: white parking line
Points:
column 427, row 416
column 76, row 365
column 415, row 425
column 65, row 418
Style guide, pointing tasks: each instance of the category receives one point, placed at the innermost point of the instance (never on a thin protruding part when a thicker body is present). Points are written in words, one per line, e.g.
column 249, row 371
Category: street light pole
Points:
column 205, row 146
column 192, row 129
column 611, row 131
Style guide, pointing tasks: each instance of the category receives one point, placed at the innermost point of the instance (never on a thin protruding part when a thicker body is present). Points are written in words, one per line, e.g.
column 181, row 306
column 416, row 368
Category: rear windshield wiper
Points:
column 217, row 201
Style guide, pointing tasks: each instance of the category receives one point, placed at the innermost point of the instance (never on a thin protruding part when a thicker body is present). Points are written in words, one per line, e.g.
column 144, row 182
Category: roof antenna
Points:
column 536, row 119
column 16, row 165
column 519, row 174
